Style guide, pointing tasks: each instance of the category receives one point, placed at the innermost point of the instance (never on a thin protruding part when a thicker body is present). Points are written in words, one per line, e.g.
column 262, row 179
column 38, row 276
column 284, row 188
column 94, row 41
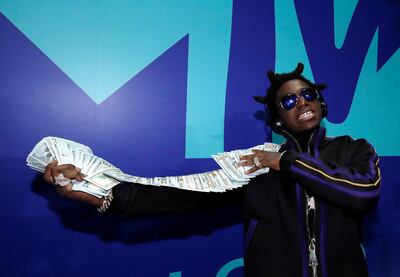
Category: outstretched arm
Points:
column 132, row 199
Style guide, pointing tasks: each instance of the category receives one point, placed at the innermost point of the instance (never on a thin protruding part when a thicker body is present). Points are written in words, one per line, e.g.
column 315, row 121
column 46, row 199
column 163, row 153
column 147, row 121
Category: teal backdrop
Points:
column 156, row 87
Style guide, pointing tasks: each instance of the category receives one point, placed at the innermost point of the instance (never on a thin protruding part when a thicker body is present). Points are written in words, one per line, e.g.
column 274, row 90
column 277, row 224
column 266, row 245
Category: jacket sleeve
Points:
column 135, row 199
column 354, row 184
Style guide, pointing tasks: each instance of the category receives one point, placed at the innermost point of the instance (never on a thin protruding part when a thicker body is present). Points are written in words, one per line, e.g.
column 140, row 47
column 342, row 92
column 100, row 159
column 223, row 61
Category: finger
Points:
column 66, row 167
column 47, row 175
column 256, row 151
column 246, row 163
column 52, row 163
column 49, row 166
column 251, row 170
column 247, row 157
column 68, row 170
column 260, row 157
column 54, row 172
column 79, row 177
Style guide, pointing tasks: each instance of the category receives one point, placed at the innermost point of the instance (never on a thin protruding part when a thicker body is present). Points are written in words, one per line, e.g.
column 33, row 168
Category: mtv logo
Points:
column 101, row 45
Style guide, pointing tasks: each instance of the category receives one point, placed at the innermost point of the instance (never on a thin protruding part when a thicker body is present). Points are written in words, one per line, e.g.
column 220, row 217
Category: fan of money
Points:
column 101, row 176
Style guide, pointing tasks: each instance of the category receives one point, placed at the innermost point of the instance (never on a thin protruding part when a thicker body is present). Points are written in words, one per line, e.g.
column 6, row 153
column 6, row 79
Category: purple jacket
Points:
column 343, row 176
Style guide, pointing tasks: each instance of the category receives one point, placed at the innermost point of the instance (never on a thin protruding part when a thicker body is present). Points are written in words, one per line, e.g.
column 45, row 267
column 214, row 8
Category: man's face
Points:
column 305, row 115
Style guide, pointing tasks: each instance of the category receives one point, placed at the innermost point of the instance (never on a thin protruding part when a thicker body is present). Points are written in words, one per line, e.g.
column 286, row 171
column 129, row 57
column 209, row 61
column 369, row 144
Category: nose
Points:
column 301, row 102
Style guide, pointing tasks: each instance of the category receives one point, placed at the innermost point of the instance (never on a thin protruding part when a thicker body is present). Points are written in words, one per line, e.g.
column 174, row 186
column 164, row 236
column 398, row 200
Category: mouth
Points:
column 306, row 116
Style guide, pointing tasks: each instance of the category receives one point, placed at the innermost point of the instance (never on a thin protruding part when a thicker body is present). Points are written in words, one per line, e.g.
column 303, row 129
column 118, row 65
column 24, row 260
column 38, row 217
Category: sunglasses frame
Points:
column 298, row 94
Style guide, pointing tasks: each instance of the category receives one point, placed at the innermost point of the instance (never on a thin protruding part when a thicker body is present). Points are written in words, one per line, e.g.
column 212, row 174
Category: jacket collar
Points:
column 313, row 142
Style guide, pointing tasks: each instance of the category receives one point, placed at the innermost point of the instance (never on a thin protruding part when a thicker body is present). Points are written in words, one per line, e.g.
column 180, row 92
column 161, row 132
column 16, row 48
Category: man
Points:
column 304, row 217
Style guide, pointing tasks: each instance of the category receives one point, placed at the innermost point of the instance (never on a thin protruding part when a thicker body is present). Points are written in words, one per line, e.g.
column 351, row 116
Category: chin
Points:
column 306, row 129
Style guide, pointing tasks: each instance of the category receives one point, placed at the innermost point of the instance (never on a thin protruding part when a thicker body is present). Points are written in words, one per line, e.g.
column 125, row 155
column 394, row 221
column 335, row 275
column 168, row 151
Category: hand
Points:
column 71, row 172
column 265, row 159
column 68, row 170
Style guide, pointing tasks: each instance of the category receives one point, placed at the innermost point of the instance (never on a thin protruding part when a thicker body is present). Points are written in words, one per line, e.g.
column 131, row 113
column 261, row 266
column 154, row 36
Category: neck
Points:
column 302, row 139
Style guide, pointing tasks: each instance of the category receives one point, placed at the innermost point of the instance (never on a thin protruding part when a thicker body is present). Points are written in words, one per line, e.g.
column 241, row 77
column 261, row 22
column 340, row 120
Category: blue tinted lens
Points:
column 289, row 101
column 309, row 94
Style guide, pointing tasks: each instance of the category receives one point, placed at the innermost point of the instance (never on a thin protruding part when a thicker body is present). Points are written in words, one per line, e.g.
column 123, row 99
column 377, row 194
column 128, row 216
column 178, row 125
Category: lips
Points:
column 306, row 115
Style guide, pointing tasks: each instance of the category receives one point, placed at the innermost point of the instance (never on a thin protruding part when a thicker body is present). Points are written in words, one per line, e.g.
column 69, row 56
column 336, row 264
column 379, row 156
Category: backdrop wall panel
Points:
column 156, row 87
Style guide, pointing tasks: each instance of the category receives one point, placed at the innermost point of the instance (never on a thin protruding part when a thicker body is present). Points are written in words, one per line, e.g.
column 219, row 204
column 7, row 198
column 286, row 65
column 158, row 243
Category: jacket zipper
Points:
column 312, row 252
column 311, row 211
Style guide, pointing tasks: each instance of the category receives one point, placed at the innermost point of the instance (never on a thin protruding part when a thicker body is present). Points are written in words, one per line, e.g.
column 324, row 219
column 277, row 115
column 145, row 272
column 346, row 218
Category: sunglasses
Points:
column 289, row 101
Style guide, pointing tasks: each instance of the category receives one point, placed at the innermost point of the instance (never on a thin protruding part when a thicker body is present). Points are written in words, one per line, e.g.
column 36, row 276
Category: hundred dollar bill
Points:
column 102, row 181
column 89, row 188
column 40, row 154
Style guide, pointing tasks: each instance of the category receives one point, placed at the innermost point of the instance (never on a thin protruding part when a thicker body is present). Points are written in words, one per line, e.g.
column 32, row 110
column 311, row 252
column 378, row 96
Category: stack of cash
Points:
column 101, row 176
column 230, row 176
column 81, row 156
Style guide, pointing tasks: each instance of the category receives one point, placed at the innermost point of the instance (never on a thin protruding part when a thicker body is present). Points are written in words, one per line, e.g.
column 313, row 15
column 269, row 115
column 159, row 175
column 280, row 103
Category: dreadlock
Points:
column 276, row 81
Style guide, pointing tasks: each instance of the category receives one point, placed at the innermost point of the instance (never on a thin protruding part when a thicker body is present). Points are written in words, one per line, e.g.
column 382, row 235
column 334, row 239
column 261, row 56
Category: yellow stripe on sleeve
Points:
column 344, row 180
